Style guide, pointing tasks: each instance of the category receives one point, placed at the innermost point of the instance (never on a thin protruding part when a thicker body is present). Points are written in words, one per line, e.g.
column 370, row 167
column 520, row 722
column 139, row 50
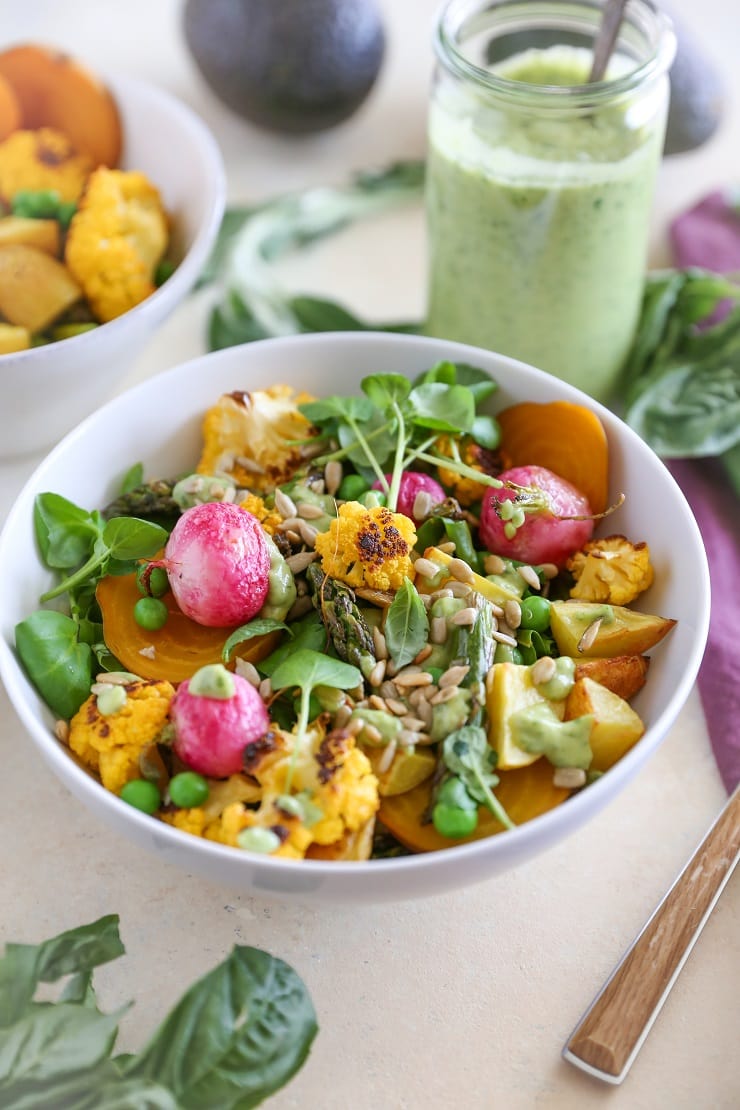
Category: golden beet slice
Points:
column 54, row 90
column 524, row 794
column 175, row 651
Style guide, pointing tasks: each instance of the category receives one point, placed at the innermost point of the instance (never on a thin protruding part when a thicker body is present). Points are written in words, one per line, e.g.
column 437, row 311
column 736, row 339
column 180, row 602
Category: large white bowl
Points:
column 159, row 423
column 47, row 390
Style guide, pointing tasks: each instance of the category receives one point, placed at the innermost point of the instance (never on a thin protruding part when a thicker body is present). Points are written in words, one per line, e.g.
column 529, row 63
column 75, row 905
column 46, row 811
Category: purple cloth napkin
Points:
column 708, row 235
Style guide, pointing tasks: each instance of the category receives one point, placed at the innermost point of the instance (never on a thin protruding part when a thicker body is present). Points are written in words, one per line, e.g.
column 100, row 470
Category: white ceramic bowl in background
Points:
column 47, row 390
column 158, row 423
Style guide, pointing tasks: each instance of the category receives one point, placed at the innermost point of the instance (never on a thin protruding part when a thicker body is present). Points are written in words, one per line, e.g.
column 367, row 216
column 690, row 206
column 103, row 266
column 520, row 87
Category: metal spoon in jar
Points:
column 606, row 38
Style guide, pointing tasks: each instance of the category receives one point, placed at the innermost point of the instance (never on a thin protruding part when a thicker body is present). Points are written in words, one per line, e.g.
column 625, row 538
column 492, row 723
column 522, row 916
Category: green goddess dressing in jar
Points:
column 540, row 185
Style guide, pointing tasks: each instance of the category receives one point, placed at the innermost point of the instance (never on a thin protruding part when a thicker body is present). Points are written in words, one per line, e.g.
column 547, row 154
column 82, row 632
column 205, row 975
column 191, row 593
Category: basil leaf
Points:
column 58, row 665
column 235, row 1037
column 406, row 624
column 691, row 411
column 315, row 314
column 261, row 626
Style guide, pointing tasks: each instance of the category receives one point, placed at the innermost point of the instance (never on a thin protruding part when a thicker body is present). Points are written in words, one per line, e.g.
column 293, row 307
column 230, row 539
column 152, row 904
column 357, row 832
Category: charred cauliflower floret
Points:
column 42, row 159
column 612, row 570
column 112, row 744
column 333, row 791
column 221, row 816
column 116, row 239
column 270, row 519
column 249, row 436
column 368, row 547
column 464, row 489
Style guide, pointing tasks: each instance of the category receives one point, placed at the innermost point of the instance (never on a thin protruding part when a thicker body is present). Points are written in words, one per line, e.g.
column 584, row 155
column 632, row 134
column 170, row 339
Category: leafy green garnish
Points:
column 58, row 661
column 252, row 305
column 236, row 1036
column 260, row 626
column 682, row 383
column 467, row 754
column 406, row 624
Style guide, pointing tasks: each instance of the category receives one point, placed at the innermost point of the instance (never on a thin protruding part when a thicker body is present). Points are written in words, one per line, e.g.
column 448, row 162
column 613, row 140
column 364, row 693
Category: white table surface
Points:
column 461, row 1000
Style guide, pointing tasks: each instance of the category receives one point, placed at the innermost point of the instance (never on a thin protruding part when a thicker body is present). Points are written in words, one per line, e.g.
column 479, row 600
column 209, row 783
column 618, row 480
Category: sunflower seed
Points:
column 512, row 613
column 530, row 576
column 248, row 671
column 460, row 570
column 494, row 564
column 422, row 505
column 443, row 695
column 308, row 533
column 307, row 511
column 465, row 617
column 381, row 647
column 249, row 464
column 549, row 570
column 387, row 758
column 459, row 589
column 438, row 630
column 333, row 474
column 413, row 723
column 426, row 568
column 117, row 678
column 453, row 676
column 265, row 689
column 371, row 734
column 301, row 560
column 449, row 547
column 404, row 679
column 61, row 731
column 502, row 638
column 397, row 708
column 375, row 702
column 589, row 635
column 423, row 654
column 543, row 670
column 377, row 674
column 571, row 778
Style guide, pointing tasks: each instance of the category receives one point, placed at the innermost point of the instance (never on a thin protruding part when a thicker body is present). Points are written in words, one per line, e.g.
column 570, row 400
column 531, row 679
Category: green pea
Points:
column 373, row 499
column 452, row 822
column 152, row 581
column 150, row 613
column 36, row 204
column 351, row 487
column 504, row 653
column 188, row 789
column 165, row 269
column 65, row 212
column 142, row 794
column 452, row 793
column 535, row 613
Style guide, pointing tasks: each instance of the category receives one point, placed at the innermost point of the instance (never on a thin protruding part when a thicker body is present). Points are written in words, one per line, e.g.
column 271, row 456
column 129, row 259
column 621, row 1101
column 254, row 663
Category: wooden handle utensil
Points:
column 611, row 1032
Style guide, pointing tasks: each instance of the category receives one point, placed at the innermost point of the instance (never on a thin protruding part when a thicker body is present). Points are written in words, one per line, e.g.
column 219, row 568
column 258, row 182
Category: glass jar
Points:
column 540, row 184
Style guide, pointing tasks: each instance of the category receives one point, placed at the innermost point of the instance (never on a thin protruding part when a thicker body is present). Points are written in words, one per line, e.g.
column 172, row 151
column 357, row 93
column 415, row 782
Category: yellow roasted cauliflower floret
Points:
column 221, row 816
column 112, row 744
column 331, row 776
column 270, row 519
column 42, row 159
column 611, row 570
column 116, row 239
column 463, row 488
column 368, row 547
column 248, row 436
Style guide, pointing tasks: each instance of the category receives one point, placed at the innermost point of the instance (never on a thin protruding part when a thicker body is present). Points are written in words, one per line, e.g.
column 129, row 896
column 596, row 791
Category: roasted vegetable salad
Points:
column 81, row 240
column 310, row 647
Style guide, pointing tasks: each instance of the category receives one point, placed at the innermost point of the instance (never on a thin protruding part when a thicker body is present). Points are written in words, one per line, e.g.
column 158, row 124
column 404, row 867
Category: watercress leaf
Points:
column 306, row 669
column 467, row 754
column 309, row 632
column 315, row 314
column 58, row 665
column 128, row 537
column 444, row 371
column 65, row 533
column 335, row 407
column 385, row 390
column 133, row 478
column 406, row 625
column 486, row 431
column 378, row 433
column 235, row 1037
column 117, row 567
column 443, row 408
column 478, row 381
column 260, row 626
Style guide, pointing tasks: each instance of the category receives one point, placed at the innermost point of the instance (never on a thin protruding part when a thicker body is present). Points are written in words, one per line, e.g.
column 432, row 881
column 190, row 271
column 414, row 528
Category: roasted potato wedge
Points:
column 622, row 674
column 616, row 726
column 621, row 631
column 34, row 287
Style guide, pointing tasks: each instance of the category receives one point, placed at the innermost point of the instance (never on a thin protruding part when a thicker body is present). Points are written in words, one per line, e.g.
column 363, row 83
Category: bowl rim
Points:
column 190, row 266
column 353, row 872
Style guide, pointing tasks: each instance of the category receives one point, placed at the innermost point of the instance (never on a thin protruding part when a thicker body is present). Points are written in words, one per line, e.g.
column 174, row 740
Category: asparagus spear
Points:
column 349, row 631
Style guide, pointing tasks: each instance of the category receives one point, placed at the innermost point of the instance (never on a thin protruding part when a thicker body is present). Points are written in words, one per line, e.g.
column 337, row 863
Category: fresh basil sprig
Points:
column 406, row 624
column 251, row 302
column 235, row 1037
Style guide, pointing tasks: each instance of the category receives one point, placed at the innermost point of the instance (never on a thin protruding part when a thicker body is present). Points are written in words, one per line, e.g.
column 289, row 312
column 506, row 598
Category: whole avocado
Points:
column 287, row 65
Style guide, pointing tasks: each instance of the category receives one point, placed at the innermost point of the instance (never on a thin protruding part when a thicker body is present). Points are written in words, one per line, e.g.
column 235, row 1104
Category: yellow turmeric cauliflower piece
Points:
column 42, row 159
column 612, row 570
column 270, row 519
column 328, row 771
column 221, row 816
column 247, row 436
column 368, row 547
column 464, row 489
column 112, row 745
column 116, row 239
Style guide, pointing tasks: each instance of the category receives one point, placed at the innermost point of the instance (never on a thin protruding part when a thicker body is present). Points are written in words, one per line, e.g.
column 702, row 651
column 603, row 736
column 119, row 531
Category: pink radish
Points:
column 543, row 538
column 218, row 564
column 414, row 482
column 213, row 728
